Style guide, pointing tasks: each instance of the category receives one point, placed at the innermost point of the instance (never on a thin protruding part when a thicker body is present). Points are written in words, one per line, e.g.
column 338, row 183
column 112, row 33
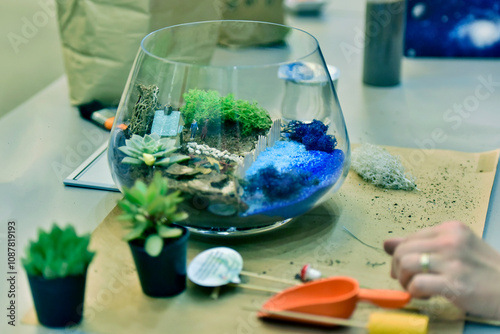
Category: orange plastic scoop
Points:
column 331, row 297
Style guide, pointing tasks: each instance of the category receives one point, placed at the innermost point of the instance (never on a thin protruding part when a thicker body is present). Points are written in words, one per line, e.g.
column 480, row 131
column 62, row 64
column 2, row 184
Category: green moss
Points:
column 201, row 105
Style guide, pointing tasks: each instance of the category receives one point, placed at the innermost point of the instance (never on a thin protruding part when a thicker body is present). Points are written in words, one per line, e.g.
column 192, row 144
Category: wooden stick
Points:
column 215, row 293
column 478, row 320
column 485, row 321
column 312, row 317
column 254, row 287
column 269, row 278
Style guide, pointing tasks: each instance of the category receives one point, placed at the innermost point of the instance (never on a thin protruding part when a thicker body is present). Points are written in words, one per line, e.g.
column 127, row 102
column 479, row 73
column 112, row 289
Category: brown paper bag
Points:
column 253, row 10
column 100, row 39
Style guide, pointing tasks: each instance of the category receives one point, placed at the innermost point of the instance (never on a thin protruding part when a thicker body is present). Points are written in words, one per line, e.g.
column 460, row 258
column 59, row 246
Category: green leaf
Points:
column 132, row 161
column 140, row 219
column 48, row 272
column 38, row 261
column 132, row 144
column 126, row 206
column 164, row 152
column 155, row 136
column 171, row 160
column 154, row 245
column 130, row 151
column 161, row 183
column 163, row 162
column 148, row 140
column 178, row 158
column 155, row 206
column 175, row 198
column 169, row 232
column 167, row 142
column 134, row 195
column 169, row 209
column 142, row 188
column 136, row 232
column 31, row 269
column 56, row 232
column 151, row 193
column 126, row 217
column 177, row 217
column 137, row 139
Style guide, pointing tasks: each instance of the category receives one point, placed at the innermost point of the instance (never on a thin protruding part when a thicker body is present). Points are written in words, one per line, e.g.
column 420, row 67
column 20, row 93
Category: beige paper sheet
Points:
column 453, row 185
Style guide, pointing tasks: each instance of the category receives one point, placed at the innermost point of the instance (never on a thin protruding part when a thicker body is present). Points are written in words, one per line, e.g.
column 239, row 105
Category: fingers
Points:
column 391, row 244
column 427, row 285
column 411, row 265
column 442, row 239
column 425, row 233
column 448, row 246
column 410, row 252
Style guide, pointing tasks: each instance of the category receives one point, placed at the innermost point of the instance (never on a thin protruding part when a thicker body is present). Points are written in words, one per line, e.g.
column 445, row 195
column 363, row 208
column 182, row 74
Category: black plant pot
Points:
column 165, row 274
column 58, row 301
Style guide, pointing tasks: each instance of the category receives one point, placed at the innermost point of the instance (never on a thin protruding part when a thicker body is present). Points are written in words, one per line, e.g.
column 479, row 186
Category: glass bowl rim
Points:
column 149, row 53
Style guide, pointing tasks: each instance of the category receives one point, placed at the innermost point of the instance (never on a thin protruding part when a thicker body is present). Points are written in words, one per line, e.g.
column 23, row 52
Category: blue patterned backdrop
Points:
column 439, row 28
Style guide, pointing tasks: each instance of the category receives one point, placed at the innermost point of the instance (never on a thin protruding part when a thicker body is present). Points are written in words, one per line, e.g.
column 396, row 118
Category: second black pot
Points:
column 59, row 301
column 165, row 274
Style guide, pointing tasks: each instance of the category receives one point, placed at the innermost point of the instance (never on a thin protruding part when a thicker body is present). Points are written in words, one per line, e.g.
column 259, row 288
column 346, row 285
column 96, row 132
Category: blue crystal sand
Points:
column 322, row 170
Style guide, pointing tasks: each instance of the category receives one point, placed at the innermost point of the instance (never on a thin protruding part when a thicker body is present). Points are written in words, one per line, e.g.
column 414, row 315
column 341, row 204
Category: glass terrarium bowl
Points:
column 240, row 116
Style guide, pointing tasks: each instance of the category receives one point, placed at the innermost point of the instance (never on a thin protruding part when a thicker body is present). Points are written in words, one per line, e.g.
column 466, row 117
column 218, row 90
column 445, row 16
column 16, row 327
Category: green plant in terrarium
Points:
column 210, row 105
column 151, row 211
column 250, row 116
column 58, row 253
column 151, row 150
column 202, row 105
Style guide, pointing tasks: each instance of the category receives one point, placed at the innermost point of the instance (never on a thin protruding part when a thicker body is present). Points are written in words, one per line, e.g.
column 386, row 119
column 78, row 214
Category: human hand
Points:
column 462, row 267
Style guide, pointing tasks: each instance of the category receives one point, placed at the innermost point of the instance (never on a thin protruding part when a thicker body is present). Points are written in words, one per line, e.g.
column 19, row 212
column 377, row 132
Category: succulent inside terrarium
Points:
column 150, row 150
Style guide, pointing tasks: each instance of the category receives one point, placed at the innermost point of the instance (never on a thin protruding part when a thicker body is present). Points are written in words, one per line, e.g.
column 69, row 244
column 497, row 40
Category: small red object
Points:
column 307, row 273
column 303, row 272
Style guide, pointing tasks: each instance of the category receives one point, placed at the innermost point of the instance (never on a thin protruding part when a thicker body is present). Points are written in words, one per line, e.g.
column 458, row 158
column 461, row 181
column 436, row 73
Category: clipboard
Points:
column 93, row 173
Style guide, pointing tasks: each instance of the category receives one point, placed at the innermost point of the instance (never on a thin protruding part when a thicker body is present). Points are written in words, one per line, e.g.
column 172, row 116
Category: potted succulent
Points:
column 56, row 265
column 158, row 245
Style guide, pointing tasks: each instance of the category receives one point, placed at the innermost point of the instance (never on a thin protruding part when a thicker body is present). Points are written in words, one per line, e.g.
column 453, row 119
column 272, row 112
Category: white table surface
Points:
column 44, row 139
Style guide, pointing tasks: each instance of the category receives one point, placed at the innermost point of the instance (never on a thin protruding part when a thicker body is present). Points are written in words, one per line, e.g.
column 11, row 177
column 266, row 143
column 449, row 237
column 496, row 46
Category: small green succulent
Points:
column 58, row 253
column 151, row 211
column 151, row 150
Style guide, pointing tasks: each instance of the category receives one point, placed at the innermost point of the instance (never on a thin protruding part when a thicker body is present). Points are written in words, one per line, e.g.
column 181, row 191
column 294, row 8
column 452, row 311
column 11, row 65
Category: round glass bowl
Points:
column 241, row 117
